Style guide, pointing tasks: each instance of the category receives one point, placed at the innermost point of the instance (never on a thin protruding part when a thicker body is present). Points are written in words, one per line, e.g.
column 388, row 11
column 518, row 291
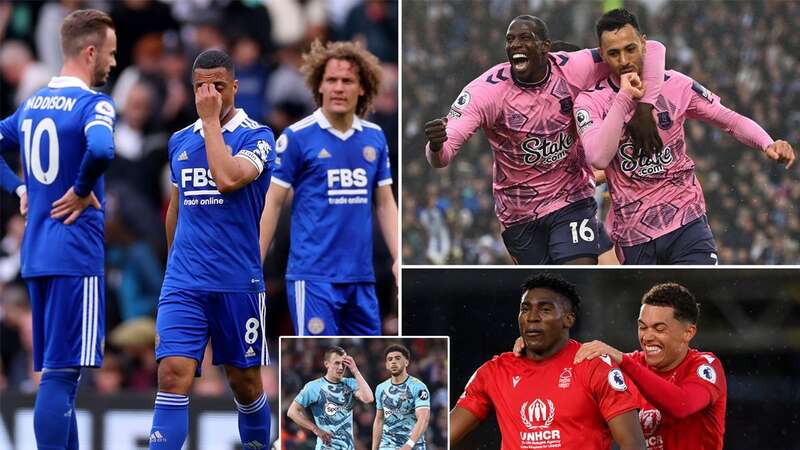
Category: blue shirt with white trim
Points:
column 51, row 128
column 334, row 176
column 216, row 238
column 399, row 403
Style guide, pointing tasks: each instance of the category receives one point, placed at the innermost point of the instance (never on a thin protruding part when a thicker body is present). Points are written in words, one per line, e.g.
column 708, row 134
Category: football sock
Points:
column 170, row 421
column 54, row 410
column 254, row 423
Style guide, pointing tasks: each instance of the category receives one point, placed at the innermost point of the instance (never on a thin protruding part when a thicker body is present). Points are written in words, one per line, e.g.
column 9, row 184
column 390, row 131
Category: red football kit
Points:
column 550, row 404
column 684, row 408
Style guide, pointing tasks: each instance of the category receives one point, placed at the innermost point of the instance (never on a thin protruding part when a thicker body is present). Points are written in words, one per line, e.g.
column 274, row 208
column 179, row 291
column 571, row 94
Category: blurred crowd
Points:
column 157, row 43
column 301, row 362
column 746, row 52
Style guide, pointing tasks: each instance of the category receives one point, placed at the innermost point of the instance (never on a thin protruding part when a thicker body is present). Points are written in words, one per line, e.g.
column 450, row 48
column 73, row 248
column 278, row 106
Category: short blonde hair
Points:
column 82, row 28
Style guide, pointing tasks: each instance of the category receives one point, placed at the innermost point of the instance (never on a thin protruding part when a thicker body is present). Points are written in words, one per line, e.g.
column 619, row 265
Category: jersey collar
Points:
column 230, row 125
column 65, row 82
column 326, row 125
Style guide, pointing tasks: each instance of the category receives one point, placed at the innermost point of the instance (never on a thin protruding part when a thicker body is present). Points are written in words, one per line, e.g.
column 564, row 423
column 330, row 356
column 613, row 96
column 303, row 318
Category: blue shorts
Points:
column 320, row 308
column 234, row 321
column 69, row 316
column 557, row 238
column 692, row 243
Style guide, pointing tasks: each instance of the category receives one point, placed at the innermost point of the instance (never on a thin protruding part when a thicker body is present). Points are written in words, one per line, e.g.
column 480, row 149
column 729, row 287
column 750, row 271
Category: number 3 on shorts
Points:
column 251, row 330
column 583, row 232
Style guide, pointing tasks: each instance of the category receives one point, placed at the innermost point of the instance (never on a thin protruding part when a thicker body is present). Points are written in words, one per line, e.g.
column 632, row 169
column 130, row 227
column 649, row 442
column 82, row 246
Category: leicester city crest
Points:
column 369, row 153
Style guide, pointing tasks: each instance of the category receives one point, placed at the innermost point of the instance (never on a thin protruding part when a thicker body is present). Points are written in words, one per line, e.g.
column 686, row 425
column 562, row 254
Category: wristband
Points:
column 21, row 189
column 410, row 443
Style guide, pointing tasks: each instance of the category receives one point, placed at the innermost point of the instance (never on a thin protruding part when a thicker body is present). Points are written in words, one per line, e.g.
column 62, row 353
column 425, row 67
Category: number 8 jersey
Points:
column 51, row 129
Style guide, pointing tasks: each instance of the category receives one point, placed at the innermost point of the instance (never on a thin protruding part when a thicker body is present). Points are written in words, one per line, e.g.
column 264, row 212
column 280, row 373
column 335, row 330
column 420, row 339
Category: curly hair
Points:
column 367, row 67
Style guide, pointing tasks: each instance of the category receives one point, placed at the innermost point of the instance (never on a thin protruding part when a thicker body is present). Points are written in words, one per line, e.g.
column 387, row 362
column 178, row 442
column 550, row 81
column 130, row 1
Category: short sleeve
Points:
column 475, row 398
column 384, row 177
column 258, row 148
column 99, row 111
column 305, row 397
column 351, row 383
column 288, row 159
column 422, row 397
column 170, row 149
column 378, row 395
column 9, row 137
column 609, row 388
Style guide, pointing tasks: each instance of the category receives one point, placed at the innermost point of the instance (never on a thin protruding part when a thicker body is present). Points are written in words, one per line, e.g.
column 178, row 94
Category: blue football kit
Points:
column 399, row 403
column 330, row 280
column 331, row 405
column 64, row 132
column 213, row 285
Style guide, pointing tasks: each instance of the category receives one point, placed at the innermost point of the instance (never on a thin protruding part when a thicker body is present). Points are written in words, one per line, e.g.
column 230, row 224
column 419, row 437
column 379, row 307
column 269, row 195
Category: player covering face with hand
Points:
column 329, row 399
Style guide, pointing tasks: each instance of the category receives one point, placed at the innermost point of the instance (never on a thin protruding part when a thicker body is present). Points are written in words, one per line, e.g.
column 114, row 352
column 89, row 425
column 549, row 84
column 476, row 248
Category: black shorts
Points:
column 557, row 238
column 692, row 243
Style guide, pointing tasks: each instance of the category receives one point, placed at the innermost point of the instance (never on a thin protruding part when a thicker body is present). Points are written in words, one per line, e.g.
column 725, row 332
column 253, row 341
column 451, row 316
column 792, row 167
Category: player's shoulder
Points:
column 303, row 126
column 183, row 133
column 495, row 78
column 416, row 382
column 383, row 384
column 700, row 357
column 705, row 365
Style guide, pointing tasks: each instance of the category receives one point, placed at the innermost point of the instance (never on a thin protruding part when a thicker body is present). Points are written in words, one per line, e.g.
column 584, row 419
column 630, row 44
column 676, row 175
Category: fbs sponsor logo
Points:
column 156, row 436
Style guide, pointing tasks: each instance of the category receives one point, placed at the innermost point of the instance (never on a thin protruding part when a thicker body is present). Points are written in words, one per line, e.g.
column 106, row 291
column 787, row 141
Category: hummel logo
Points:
column 514, row 381
column 324, row 154
column 183, row 156
column 250, row 352
column 156, row 436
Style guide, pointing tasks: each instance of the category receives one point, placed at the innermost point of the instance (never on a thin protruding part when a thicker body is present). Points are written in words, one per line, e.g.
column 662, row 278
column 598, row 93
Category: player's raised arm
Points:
column 462, row 422
column 600, row 136
column 706, row 106
column 298, row 415
column 627, row 432
column 377, row 429
column 363, row 393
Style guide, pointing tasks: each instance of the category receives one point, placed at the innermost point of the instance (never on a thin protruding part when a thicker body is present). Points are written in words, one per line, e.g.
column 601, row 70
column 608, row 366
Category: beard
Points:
column 99, row 76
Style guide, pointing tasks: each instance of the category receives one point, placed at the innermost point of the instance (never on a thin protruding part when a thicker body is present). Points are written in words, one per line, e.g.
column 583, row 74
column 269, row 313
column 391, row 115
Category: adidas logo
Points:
column 324, row 154
column 253, row 445
column 156, row 436
column 250, row 353
column 183, row 156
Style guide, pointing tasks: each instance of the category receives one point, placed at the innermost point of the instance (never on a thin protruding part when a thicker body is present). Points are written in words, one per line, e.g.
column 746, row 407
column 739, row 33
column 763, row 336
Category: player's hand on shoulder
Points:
column 208, row 102
column 71, row 206
column 632, row 85
column 781, row 152
column 436, row 133
column 519, row 347
column 594, row 349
